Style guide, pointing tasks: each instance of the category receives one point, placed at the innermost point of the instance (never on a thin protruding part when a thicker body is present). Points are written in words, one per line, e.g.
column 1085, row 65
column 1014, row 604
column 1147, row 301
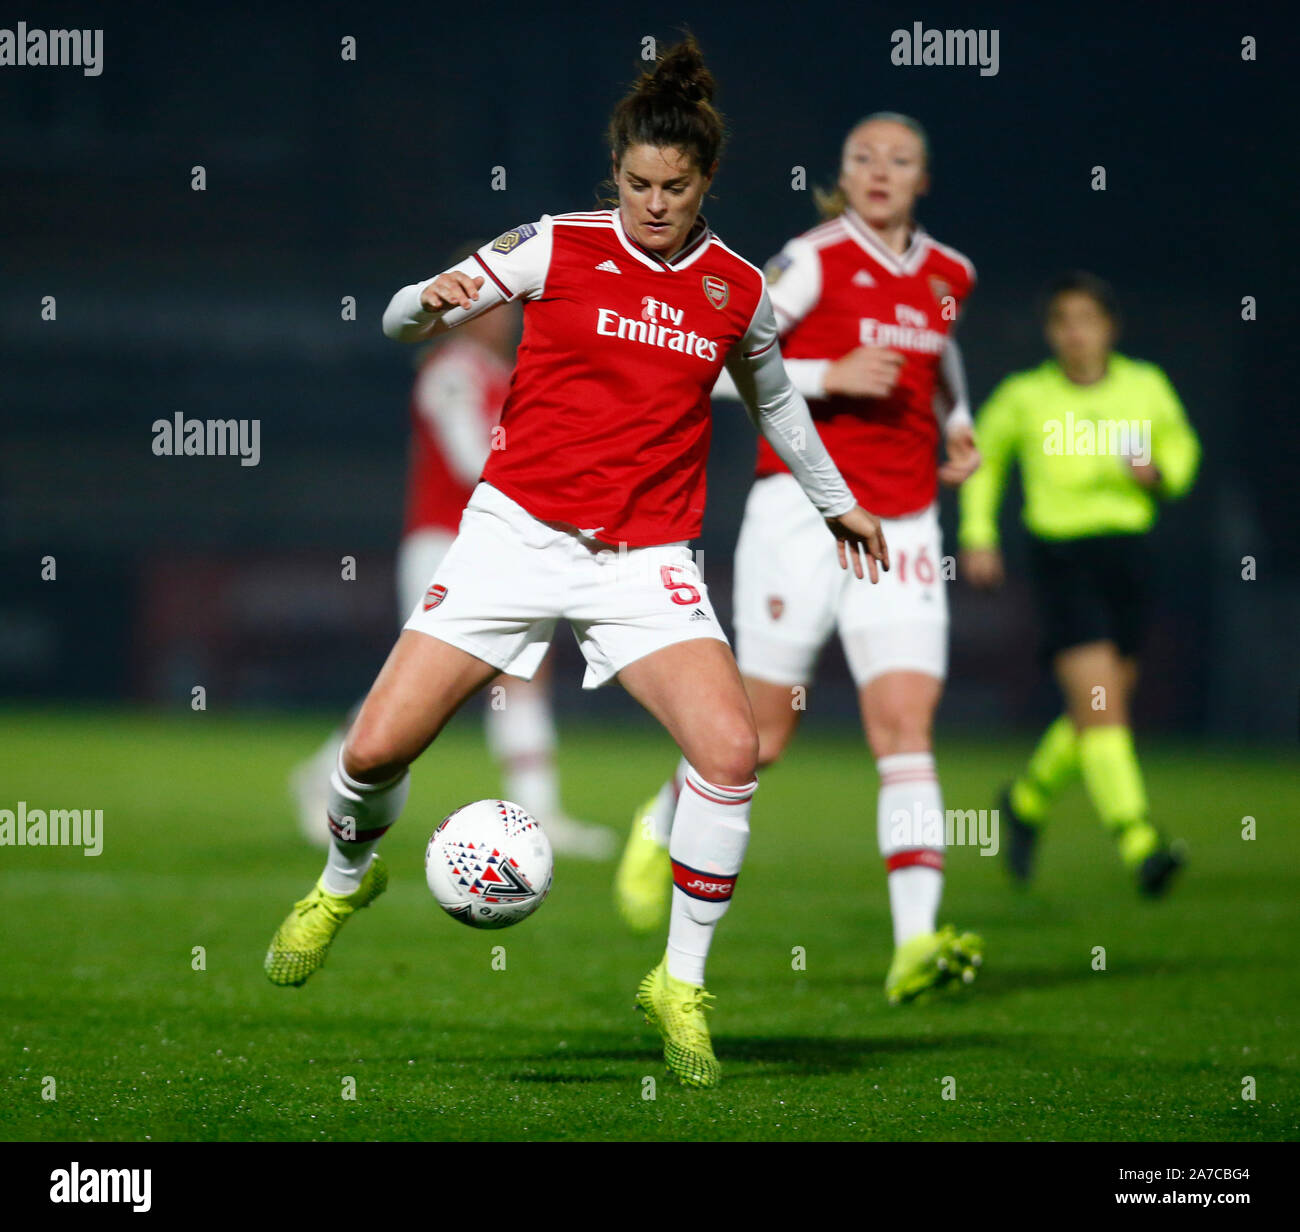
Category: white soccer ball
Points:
column 489, row 864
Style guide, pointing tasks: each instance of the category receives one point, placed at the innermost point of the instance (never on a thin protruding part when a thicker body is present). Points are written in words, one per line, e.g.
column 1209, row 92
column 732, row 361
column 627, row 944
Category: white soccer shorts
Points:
column 790, row 593
column 418, row 557
column 507, row 578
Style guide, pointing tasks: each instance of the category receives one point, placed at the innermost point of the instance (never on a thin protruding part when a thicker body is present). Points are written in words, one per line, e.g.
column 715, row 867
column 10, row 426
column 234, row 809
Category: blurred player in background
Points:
column 455, row 407
column 586, row 515
column 1101, row 441
column 865, row 303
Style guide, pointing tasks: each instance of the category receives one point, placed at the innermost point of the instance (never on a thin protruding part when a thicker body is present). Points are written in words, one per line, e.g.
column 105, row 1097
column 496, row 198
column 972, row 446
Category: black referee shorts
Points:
column 1090, row 590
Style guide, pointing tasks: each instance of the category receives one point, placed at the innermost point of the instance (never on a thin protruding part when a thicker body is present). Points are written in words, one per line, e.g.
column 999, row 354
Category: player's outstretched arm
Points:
column 781, row 415
column 513, row 265
column 419, row 311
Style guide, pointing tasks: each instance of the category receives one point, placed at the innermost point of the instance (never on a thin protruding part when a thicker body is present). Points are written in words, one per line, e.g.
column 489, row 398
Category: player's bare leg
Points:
column 422, row 684
column 777, row 709
column 898, row 713
column 643, row 880
column 521, row 736
column 694, row 689
column 1098, row 682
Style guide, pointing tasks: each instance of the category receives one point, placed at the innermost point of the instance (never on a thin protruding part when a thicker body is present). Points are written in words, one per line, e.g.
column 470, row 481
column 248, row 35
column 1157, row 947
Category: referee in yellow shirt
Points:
column 1101, row 440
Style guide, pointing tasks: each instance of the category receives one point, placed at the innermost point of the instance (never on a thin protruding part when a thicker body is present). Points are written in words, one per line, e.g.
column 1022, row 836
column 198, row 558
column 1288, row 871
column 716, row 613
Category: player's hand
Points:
column 981, row 567
column 859, row 535
column 963, row 458
column 865, row 372
column 453, row 289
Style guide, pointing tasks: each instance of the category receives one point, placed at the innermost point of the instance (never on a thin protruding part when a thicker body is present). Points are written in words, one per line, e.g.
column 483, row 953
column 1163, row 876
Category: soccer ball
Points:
column 489, row 864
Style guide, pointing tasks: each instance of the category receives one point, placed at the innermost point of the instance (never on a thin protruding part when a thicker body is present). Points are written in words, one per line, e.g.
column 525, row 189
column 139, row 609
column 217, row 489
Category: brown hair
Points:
column 671, row 106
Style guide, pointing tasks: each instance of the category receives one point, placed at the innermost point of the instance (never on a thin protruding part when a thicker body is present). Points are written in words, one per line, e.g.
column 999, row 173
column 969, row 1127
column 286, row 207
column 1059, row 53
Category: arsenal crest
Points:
column 939, row 287
column 775, row 607
column 716, row 291
column 433, row 596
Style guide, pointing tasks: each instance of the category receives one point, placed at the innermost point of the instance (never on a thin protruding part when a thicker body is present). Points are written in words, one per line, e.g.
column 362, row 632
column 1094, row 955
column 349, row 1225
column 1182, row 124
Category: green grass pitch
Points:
column 99, row 992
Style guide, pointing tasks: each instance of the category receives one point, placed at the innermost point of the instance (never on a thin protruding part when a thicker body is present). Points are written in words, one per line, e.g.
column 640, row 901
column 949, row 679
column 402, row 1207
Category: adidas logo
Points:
column 699, row 614
column 863, row 279
column 609, row 267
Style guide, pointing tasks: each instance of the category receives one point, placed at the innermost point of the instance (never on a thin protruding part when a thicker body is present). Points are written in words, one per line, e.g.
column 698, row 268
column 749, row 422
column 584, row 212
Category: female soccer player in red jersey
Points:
column 454, row 409
column 585, row 512
column 865, row 304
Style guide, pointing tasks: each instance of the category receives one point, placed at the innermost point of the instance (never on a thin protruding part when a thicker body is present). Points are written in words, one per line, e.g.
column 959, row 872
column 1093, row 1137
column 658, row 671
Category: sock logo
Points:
column 710, row 887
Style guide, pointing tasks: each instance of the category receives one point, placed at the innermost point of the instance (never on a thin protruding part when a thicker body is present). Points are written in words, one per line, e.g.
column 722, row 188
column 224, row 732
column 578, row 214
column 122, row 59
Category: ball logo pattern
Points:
column 489, row 864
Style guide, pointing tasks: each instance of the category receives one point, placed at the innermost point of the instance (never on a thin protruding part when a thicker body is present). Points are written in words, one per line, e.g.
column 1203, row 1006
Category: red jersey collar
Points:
column 696, row 243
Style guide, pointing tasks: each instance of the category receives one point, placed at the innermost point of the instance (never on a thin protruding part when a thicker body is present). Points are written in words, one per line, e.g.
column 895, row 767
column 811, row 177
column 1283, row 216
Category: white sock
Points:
column 709, row 836
column 910, row 829
column 521, row 736
column 659, row 822
column 360, row 814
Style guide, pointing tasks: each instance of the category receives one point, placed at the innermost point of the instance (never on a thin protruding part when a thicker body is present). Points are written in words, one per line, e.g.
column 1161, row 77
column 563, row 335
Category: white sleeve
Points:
column 449, row 398
column 512, row 265
column 952, row 403
column 781, row 415
column 807, row 375
column 794, row 282
column 794, row 285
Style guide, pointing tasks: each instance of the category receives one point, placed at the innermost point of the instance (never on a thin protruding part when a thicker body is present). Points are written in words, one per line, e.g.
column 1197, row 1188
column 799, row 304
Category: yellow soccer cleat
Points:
column 643, row 881
column 677, row 1010
column 932, row 960
column 301, row 943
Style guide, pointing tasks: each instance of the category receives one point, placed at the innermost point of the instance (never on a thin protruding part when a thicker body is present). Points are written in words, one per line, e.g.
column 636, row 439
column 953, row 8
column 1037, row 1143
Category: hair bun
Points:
column 682, row 72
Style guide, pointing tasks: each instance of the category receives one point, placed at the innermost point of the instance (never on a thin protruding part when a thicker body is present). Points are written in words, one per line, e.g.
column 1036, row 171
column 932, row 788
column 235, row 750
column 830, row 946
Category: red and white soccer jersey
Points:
column 838, row 287
column 834, row 289
column 455, row 404
column 615, row 442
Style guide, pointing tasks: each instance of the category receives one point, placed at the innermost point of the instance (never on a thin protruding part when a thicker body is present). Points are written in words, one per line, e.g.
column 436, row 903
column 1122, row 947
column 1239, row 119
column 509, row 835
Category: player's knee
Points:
column 371, row 756
column 1100, row 704
column 1087, row 715
column 732, row 756
column 899, row 730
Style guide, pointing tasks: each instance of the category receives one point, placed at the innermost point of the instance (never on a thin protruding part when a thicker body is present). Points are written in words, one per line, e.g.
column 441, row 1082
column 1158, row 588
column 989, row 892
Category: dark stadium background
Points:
column 329, row 178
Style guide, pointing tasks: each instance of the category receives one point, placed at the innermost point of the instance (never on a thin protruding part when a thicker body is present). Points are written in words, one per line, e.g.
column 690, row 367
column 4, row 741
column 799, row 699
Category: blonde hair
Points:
column 832, row 202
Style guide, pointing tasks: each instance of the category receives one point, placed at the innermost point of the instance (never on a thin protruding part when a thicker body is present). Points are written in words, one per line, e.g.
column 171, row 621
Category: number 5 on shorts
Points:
column 682, row 592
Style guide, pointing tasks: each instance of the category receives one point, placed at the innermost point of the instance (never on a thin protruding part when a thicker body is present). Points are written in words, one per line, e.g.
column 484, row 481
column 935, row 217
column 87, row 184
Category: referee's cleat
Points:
column 1157, row 870
column 677, row 1010
column 931, row 960
column 1020, row 839
column 644, row 879
column 301, row 943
